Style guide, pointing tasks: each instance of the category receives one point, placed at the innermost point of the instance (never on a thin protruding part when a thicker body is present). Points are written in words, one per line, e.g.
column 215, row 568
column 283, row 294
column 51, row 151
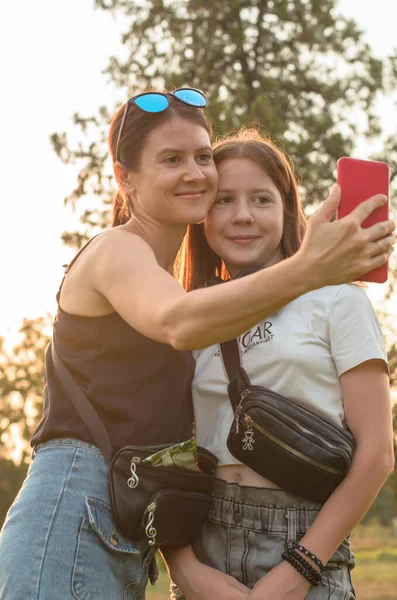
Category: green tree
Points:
column 295, row 66
column 21, row 387
column 21, row 399
column 11, row 478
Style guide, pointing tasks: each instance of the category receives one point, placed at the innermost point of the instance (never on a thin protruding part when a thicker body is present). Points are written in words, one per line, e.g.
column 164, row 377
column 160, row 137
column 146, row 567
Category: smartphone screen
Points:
column 359, row 180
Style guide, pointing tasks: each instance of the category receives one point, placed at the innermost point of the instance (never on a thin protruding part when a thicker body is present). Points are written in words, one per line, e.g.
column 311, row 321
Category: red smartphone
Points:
column 359, row 180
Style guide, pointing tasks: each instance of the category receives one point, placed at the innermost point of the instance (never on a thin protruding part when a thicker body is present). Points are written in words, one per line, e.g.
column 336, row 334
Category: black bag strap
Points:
column 238, row 378
column 230, row 354
column 82, row 404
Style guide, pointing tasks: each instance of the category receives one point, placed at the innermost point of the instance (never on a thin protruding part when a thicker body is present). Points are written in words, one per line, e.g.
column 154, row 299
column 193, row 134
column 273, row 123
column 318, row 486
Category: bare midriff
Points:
column 243, row 475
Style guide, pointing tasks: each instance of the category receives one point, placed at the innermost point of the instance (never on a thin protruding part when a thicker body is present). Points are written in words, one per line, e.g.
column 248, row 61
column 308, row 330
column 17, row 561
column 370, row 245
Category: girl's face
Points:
column 177, row 179
column 245, row 225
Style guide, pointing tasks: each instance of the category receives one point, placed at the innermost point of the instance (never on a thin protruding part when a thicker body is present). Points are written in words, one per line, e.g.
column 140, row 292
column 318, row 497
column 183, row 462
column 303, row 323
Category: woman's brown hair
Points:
column 137, row 126
column 197, row 263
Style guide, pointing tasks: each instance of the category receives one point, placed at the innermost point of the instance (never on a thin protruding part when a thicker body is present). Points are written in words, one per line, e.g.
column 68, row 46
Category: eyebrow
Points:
column 251, row 191
column 181, row 150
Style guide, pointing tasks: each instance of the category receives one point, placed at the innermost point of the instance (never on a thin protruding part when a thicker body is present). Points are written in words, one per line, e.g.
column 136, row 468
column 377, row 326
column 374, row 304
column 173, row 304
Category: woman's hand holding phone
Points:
column 343, row 250
column 360, row 179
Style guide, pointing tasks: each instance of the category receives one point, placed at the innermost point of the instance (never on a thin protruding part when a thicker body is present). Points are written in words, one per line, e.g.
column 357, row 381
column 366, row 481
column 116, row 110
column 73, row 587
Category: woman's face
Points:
column 177, row 179
column 245, row 224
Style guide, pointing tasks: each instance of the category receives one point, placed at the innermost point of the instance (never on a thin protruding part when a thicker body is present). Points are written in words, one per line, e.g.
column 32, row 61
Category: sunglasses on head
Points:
column 157, row 102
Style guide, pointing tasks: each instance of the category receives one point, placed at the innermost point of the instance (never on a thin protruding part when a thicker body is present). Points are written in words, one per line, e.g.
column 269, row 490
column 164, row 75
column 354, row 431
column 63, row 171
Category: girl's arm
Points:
column 367, row 405
column 128, row 275
column 365, row 390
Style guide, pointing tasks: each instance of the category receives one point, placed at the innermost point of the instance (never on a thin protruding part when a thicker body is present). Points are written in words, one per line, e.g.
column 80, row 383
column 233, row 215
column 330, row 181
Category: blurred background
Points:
column 320, row 76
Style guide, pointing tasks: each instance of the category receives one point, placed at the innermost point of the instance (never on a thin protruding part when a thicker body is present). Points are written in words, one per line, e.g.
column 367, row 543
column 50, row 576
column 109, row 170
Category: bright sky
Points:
column 51, row 58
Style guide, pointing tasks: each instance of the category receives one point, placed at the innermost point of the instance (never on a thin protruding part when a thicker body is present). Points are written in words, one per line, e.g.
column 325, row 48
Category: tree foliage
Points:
column 21, row 387
column 11, row 478
column 296, row 67
column 21, row 399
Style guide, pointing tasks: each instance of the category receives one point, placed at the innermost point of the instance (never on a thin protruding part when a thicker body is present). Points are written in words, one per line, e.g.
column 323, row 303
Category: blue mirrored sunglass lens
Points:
column 191, row 97
column 152, row 103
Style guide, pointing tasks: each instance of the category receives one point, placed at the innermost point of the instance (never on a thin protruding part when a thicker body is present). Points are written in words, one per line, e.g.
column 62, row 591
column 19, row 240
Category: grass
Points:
column 161, row 590
column 374, row 578
column 373, row 581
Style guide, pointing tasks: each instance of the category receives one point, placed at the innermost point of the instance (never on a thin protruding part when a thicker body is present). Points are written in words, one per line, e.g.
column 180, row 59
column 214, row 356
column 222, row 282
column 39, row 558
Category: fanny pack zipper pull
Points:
column 134, row 479
column 248, row 439
column 149, row 529
column 238, row 410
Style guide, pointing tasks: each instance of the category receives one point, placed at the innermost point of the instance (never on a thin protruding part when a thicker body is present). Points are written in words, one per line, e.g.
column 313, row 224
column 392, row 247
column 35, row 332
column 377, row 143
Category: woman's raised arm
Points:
column 128, row 275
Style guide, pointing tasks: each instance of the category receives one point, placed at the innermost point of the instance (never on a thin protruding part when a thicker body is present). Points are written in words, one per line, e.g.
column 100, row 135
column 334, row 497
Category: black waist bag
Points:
column 297, row 449
column 169, row 506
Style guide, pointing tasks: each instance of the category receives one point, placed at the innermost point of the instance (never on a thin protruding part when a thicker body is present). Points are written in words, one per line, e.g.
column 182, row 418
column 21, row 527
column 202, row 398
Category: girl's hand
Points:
column 197, row 581
column 206, row 583
column 341, row 251
column 283, row 582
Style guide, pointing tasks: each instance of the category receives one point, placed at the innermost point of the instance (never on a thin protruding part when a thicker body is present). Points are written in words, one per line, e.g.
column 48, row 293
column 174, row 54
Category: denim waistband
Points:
column 70, row 442
column 261, row 509
column 261, row 496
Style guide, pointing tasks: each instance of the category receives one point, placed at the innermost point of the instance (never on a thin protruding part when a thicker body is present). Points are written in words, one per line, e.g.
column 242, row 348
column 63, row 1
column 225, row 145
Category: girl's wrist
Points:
column 294, row 580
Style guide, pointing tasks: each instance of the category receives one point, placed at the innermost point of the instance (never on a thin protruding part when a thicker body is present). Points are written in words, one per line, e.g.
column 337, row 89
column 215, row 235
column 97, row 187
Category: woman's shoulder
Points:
column 107, row 238
column 122, row 244
column 108, row 255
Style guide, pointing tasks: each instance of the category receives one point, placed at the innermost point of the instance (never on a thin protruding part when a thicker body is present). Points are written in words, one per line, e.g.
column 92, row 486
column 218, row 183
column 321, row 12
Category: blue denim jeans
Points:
column 249, row 528
column 59, row 540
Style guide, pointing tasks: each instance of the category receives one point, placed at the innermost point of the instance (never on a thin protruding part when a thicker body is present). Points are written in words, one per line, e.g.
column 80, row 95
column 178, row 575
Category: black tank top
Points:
column 140, row 388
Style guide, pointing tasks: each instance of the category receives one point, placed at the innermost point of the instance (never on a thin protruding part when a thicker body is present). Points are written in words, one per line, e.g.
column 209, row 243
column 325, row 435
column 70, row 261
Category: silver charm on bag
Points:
column 243, row 396
column 248, row 439
column 134, row 479
column 149, row 529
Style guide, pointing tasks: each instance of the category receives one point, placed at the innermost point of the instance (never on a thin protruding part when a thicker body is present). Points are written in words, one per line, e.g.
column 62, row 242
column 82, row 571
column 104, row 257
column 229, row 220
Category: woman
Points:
column 122, row 323
column 324, row 350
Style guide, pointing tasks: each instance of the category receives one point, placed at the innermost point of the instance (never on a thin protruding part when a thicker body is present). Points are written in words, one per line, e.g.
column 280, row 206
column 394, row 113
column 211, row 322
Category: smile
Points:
column 191, row 194
column 243, row 240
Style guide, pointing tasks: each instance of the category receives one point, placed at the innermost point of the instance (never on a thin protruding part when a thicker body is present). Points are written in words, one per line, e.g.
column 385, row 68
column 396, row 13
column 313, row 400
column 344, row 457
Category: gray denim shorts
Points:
column 248, row 529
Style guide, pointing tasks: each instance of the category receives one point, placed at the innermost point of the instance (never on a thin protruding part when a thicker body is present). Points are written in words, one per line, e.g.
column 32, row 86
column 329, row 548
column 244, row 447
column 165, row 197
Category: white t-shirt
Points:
column 299, row 352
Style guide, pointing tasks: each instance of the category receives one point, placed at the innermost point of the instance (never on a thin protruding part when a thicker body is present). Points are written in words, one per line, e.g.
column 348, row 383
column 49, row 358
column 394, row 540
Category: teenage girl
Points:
column 324, row 350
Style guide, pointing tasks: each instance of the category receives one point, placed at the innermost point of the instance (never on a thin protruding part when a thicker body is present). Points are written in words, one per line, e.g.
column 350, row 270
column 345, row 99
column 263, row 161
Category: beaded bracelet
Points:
column 301, row 570
column 313, row 557
column 305, row 563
